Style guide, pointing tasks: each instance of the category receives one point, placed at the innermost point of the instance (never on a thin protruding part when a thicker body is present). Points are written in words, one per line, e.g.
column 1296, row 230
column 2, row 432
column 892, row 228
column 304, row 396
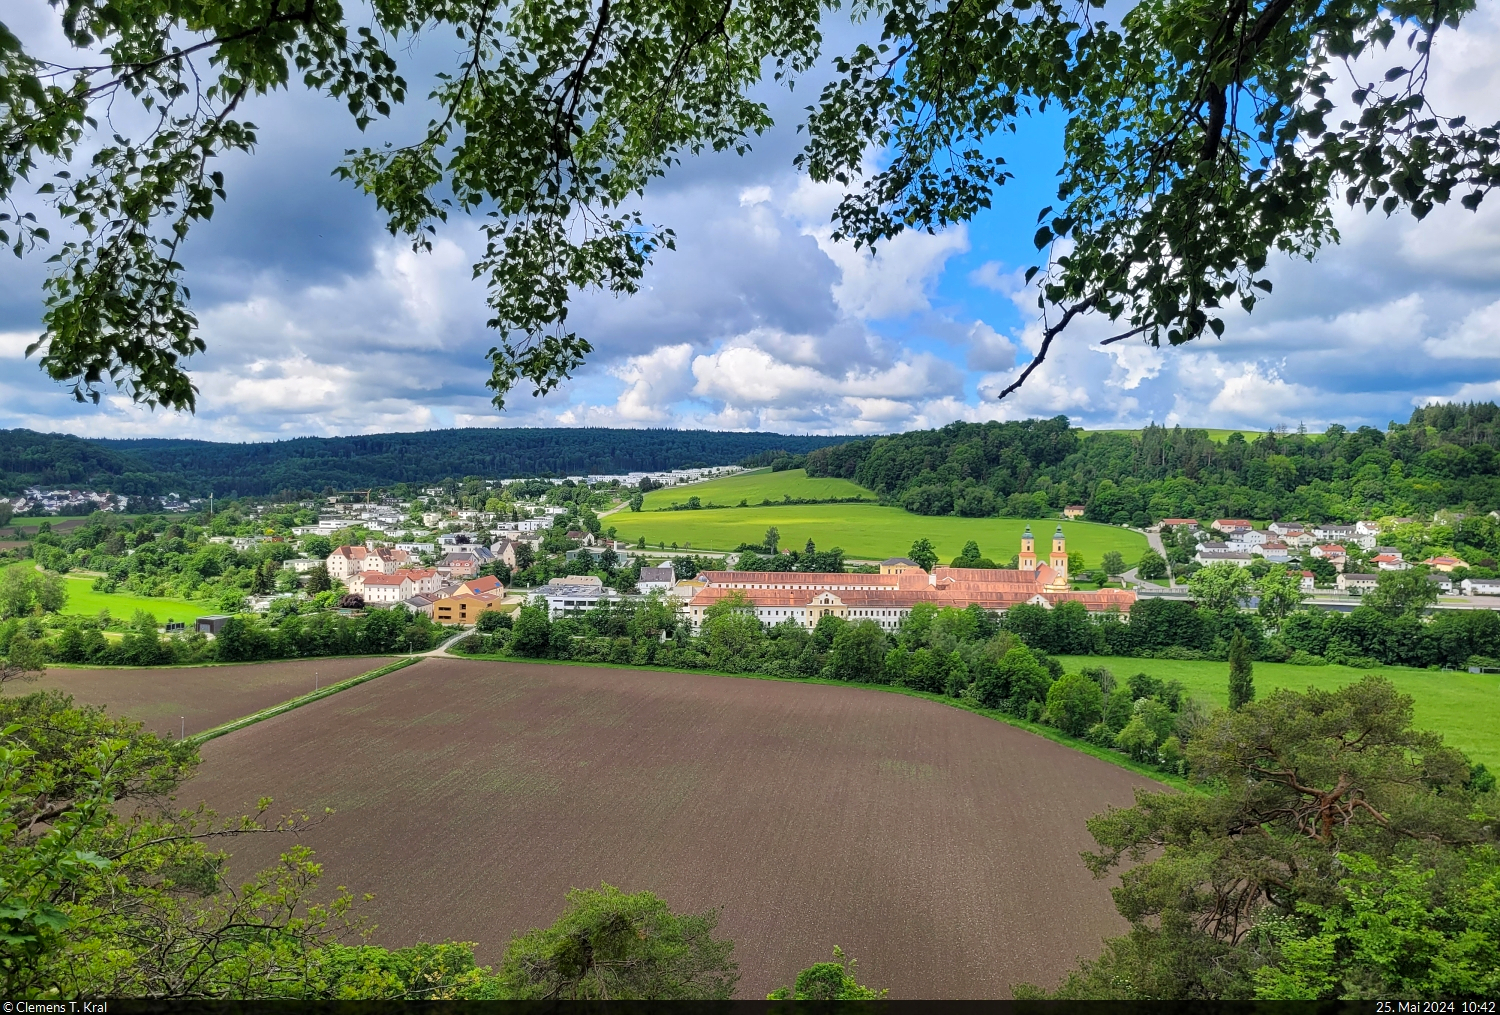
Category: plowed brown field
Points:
column 938, row 847
column 198, row 697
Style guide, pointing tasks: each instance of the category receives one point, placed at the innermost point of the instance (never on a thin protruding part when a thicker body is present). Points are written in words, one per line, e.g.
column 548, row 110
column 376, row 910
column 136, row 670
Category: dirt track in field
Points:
column 938, row 847
column 203, row 696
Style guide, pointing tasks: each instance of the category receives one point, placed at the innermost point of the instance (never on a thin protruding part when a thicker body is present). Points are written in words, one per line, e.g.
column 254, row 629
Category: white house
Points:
column 657, row 579
column 302, row 564
column 1273, row 550
column 1284, row 529
column 1480, row 586
column 1246, row 539
column 1308, row 581
column 1390, row 562
column 1219, row 553
column 1356, row 583
column 1329, row 551
column 377, row 587
column 423, row 580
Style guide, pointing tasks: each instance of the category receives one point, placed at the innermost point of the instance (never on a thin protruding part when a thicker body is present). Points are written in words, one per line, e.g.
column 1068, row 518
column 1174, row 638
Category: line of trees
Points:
column 1444, row 457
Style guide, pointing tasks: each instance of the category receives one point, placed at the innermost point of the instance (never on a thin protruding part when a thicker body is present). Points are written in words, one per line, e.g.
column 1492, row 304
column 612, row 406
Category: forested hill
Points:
column 1445, row 456
column 154, row 466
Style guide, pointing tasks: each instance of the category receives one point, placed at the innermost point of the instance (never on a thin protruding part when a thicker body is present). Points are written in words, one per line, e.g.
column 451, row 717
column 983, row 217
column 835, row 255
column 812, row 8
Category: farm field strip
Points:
column 937, row 846
column 1464, row 707
column 170, row 699
column 754, row 487
column 869, row 531
column 306, row 699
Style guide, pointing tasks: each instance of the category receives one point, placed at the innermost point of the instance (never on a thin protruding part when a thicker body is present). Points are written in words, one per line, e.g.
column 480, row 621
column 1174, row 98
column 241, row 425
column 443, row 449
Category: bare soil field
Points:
column 199, row 697
column 938, row 847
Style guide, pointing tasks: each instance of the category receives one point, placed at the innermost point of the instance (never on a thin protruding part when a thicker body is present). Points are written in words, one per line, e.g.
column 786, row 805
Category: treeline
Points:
column 1444, row 457
column 148, row 467
column 243, row 638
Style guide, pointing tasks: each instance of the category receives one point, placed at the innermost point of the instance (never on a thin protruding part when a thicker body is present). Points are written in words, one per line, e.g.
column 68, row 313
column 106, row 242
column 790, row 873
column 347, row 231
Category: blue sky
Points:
column 318, row 322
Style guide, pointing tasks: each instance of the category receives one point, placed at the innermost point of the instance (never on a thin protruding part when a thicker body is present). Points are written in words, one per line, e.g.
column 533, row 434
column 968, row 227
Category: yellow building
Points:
column 899, row 565
column 1059, row 563
column 1027, row 559
column 465, row 607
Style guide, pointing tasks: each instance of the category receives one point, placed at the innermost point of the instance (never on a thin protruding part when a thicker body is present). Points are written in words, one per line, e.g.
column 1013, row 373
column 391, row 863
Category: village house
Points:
column 1174, row 523
column 1444, row 563
column 1480, row 586
column 1308, row 581
column 346, row 560
column 459, row 565
column 899, row 565
column 423, row 580
column 1390, row 562
column 656, row 579
column 1212, row 552
column 381, row 589
column 1331, row 552
column 584, row 538
column 1443, row 582
column 1073, row 511
column 1248, row 539
column 1356, row 584
column 1273, row 550
column 1229, row 526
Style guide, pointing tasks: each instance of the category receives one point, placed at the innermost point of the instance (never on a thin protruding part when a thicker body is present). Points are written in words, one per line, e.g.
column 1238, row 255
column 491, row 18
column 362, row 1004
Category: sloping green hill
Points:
column 756, row 487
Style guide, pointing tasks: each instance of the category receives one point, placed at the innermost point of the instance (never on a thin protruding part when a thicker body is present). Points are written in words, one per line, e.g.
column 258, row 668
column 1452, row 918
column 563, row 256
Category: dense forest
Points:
column 155, row 466
column 1445, row 456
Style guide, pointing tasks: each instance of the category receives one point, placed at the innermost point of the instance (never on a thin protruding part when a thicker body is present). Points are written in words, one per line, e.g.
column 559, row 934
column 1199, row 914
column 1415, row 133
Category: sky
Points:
column 318, row 322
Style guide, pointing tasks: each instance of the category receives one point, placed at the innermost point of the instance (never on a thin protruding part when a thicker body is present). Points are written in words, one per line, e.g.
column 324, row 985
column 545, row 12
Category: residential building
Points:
column 579, row 536
column 899, row 565
column 459, row 565
column 483, row 586
column 1308, row 580
column 656, row 579
column 505, row 551
column 1329, row 551
column 423, row 580
column 1480, row 586
column 346, row 560
column 1073, row 511
column 382, row 589
column 302, row 565
column 1248, row 539
column 417, row 549
column 1443, row 582
column 1390, row 562
column 465, row 607
column 1274, row 550
column 1356, row 584
column 420, row 603
column 1191, row 523
column 1229, row 526
column 1220, row 553
column 1285, row 529
column 1444, row 563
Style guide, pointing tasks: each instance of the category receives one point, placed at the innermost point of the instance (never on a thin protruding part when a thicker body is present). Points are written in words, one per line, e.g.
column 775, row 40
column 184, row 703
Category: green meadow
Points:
column 1464, row 707
column 762, row 484
column 868, row 531
column 83, row 601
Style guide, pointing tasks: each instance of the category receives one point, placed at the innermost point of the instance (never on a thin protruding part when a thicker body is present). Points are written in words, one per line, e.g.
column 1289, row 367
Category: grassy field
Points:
column 84, row 601
column 868, row 531
column 1214, row 435
column 1464, row 707
column 755, row 487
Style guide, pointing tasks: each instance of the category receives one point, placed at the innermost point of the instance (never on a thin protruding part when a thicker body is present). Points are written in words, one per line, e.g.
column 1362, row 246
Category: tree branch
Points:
column 1047, row 337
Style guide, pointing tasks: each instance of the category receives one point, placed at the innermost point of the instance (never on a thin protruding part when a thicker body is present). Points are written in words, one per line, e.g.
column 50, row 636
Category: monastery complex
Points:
column 887, row 597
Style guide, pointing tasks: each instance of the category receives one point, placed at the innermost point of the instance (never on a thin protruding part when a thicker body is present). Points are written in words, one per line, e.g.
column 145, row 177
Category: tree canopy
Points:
column 1199, row 142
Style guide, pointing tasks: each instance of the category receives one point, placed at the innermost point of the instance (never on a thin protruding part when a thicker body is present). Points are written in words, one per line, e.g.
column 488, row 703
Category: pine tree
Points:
column 1241, row 672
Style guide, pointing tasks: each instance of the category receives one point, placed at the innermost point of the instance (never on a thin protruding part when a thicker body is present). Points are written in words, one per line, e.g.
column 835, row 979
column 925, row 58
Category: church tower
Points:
column 1059, row 562
column 1027, row 559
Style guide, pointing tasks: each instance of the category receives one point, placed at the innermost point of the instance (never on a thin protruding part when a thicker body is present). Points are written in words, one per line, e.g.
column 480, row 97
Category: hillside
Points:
column 155, row 466
column 755, row 487
column 1444, row 457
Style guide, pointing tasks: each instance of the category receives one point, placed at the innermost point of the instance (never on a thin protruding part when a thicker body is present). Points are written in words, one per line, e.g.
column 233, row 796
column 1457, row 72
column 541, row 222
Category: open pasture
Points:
column 755, row 487
column 938, row 847
column 204, row 696
column 1464, row 707
column 83, row 601
column 870, row 531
